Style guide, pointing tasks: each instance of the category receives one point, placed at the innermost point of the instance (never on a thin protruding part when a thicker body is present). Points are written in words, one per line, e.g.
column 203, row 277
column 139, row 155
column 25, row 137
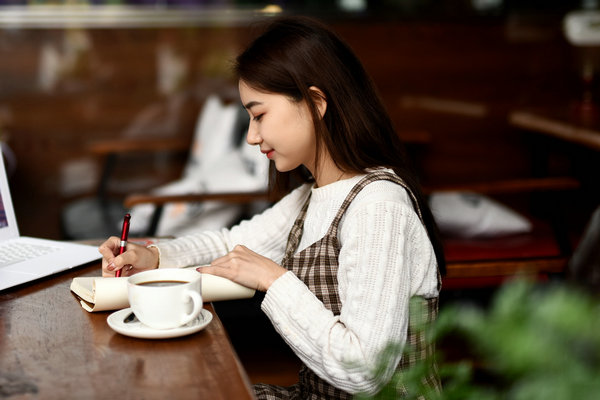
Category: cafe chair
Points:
column 213, row 180
column 531, row 239
column 486, row 242
column 220, row 165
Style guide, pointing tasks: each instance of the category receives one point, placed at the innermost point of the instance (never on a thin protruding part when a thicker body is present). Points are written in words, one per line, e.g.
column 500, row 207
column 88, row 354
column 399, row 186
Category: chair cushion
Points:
column 214, row 135
column 539, row 242
column 473, row 215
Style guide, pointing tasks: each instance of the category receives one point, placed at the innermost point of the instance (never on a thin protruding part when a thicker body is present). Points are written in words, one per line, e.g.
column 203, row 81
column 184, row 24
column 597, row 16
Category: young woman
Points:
column 342, row 254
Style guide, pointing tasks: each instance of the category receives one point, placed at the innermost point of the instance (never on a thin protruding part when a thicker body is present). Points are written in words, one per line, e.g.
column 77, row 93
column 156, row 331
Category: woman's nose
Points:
column 252, row 137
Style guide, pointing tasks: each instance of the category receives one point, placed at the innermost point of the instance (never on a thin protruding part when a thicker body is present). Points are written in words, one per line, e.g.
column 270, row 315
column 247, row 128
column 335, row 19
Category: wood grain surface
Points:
column 51, row 348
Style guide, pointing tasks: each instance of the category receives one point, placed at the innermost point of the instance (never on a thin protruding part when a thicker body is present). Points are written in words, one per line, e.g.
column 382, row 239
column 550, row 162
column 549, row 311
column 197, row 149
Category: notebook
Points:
column 24, row 259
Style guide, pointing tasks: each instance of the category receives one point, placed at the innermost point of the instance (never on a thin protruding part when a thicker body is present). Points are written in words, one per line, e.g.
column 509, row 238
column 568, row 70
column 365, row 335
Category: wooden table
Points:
column 50, row 348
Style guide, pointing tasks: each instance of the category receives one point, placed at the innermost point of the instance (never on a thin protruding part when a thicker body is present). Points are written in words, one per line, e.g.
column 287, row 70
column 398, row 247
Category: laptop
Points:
column 24, row 259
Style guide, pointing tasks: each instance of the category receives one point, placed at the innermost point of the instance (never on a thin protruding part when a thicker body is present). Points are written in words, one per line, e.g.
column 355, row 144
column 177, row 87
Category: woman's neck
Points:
column 328, row 173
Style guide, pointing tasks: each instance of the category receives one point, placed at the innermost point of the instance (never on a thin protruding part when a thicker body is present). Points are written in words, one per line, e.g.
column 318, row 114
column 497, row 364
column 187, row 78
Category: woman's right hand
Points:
column 135, row 259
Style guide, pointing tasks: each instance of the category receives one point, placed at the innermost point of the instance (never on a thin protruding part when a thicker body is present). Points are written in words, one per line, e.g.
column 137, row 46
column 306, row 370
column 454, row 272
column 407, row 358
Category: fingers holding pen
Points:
column 116, row 264
column 109, row 249
column 123, row 262
column 136, row 258
column 126, row 270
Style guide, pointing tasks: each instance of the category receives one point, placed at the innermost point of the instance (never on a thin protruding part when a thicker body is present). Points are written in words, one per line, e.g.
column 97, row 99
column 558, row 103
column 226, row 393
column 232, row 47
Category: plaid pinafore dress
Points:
column 317, row 267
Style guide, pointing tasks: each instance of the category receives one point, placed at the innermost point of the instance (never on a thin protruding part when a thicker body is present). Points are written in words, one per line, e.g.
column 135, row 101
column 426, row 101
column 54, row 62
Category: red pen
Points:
column 124, row 234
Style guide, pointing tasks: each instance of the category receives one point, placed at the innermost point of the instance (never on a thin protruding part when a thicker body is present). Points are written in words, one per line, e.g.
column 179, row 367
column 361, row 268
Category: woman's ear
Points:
column 319, row 99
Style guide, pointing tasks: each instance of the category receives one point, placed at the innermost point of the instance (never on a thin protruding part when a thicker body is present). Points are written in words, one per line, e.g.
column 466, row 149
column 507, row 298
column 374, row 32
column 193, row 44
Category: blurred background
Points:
column 73, row 73
column 451, row 72
column 103, row 99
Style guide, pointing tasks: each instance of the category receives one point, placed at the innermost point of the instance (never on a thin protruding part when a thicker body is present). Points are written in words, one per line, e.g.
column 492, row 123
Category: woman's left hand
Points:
column 245, row 267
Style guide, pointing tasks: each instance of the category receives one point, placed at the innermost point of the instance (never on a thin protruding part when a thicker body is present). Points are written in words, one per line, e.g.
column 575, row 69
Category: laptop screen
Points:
column 8, row 221
column 3, row 219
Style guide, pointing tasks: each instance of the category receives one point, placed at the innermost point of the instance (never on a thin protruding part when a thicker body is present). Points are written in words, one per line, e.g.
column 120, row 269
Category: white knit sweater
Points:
column 385, row 258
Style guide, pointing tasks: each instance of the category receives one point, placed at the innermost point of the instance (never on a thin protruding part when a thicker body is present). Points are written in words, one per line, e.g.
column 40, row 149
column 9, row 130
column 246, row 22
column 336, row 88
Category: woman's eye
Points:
column 258, row 117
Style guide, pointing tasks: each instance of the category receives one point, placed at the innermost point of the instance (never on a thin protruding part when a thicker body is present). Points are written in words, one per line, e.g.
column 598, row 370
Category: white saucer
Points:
column 139, row 330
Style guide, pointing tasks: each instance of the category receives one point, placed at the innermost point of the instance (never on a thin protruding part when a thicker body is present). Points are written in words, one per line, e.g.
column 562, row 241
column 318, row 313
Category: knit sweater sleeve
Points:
column 386, row 258
column 262, row 234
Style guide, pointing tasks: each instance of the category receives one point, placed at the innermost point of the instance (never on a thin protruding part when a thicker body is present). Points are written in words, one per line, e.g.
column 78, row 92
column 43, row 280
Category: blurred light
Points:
column 486, row 5
column 353, row 5
column 272, row 9
column 582, row 27
column 116, row 16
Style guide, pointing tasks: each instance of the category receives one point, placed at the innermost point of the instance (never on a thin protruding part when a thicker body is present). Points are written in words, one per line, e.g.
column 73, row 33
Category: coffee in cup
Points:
column 165, row 298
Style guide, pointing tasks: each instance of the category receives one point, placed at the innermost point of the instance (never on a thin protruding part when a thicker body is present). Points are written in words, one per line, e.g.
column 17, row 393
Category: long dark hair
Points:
column 296, row 53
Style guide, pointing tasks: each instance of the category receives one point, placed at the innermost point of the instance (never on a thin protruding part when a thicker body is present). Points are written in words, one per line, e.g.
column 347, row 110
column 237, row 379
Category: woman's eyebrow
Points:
column 251, row 104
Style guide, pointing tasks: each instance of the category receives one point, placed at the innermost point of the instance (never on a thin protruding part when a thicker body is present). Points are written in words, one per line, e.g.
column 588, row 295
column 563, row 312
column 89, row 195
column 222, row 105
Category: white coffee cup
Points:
column 165, row 298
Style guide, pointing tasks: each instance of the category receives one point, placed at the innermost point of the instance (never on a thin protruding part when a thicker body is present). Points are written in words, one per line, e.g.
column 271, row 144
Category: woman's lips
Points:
column 268, row 153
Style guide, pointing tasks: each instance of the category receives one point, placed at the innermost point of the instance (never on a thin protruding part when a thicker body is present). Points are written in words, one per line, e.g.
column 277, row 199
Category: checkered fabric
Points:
column 317, row 267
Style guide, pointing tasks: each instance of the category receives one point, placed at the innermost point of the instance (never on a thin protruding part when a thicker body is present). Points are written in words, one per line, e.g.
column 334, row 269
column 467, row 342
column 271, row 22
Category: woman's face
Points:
column 282, row 128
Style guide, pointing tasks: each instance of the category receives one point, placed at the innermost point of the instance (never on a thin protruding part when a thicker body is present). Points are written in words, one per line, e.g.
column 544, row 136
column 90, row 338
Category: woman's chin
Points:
column 284, row 167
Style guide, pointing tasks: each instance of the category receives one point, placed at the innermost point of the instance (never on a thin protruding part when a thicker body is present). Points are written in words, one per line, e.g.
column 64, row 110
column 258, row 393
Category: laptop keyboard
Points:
column 14, row 252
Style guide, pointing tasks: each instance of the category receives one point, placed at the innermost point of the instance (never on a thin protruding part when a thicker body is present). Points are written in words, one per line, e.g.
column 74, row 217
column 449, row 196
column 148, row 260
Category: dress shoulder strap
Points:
column 372, row 177
column 296, row 232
